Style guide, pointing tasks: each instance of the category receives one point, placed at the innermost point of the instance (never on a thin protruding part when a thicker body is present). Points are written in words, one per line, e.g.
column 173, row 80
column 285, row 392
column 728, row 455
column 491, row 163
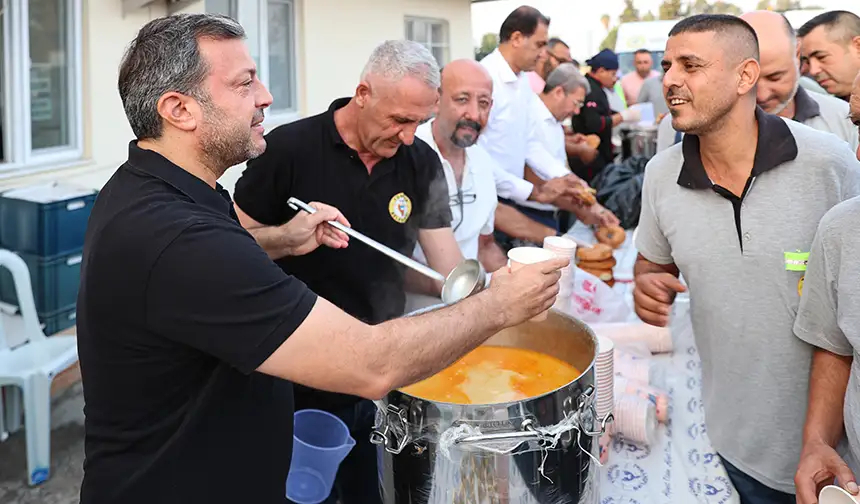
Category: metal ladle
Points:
column 466, row 279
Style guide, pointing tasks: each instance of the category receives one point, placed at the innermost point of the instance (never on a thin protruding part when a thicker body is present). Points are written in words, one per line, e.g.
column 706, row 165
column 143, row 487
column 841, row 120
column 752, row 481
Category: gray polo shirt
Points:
column 743, row 297
column 829, row 313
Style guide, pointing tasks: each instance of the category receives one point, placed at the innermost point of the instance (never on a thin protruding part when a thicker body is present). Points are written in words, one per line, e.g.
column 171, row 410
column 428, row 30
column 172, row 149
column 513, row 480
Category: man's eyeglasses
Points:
column 461, row 199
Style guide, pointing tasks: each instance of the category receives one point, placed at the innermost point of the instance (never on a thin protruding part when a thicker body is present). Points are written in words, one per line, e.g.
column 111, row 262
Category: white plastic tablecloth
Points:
column 682, row 466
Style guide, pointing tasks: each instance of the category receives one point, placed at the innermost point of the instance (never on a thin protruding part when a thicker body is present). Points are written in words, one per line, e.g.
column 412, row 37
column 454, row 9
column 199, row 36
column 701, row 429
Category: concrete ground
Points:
column 67, row 457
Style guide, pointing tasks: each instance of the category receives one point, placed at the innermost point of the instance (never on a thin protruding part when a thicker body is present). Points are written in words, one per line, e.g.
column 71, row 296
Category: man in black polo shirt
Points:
column 362, row 157
column 189, row 336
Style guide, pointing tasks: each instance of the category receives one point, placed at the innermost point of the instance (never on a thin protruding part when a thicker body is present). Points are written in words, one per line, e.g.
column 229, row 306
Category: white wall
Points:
column 335, row 38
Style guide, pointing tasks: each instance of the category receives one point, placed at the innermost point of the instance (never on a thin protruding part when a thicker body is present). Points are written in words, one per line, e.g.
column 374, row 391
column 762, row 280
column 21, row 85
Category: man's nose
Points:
column 814, row 67
column 407, row 135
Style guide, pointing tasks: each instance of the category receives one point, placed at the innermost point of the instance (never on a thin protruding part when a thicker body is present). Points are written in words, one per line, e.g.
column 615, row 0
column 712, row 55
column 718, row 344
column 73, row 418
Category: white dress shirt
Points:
column 476, row 216
column 508, row 133
column 546, row 144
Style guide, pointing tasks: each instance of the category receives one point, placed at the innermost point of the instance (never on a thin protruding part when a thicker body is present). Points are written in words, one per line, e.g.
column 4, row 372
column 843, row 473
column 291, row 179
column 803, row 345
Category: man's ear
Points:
column 748, row 74
column 179, row 110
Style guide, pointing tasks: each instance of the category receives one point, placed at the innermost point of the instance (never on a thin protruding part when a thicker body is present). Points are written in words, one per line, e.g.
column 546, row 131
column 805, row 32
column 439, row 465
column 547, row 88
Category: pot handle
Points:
column 391, row 425
column 547, row 437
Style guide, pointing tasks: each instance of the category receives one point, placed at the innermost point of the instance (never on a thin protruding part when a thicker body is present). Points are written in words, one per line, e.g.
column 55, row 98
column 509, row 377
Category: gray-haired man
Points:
column 562, row 97
column 361, row 156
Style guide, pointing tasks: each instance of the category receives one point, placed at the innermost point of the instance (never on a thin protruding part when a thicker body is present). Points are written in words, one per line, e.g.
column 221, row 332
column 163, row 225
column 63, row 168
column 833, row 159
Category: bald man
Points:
column 778, row 90
column 734, row 208
column 465, row 101
column 829, row 319
column 831, row 46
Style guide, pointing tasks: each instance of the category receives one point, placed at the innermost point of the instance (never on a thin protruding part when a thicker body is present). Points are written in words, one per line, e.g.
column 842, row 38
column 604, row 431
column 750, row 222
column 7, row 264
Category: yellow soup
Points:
column 494, row 374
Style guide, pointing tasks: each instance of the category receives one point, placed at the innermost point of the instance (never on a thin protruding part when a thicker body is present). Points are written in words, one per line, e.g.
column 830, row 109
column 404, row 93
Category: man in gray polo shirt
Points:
column 778, row 88
column 729, row 208
column 829, row 318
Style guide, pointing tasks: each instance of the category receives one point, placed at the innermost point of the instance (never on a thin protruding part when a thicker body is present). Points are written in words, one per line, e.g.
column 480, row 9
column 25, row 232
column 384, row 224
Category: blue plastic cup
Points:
column 320, row 443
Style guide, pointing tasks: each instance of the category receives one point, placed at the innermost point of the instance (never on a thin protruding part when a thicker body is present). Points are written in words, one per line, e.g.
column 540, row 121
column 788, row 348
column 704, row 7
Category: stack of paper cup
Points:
column 632, row 367
column 659, row 398
column 635, row 419
column 521, row 256
column 563, row 247
column 604, row 376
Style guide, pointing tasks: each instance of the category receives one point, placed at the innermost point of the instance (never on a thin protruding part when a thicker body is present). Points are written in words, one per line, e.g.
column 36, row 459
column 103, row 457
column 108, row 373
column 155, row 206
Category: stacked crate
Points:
column 45, row 225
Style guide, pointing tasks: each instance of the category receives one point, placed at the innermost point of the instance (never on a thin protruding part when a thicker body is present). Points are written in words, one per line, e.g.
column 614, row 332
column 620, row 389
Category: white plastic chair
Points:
column 26, row 372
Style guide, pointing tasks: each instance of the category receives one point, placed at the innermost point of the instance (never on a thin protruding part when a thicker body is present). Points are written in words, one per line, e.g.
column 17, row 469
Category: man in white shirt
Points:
column 523, row 37
column 465, row 101
column 562, row 97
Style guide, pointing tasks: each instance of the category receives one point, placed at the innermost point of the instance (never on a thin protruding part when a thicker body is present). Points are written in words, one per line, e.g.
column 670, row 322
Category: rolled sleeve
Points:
column 650, row 240
column 817, row 321
column 510, row 187
column 214, row 289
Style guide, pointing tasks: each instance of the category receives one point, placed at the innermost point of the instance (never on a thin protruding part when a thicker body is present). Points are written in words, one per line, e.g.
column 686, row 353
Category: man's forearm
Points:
column 272, row 239
column 421, row 284
column 644, row 266
column 828, row 381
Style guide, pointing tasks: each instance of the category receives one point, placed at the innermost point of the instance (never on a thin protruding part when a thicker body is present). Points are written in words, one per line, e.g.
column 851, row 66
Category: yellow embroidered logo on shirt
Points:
column 400, row 207
column 800, row 286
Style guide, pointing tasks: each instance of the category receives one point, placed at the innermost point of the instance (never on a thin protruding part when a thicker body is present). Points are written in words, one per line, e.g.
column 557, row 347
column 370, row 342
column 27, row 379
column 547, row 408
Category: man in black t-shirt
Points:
column 361, row 156
column 189, row 336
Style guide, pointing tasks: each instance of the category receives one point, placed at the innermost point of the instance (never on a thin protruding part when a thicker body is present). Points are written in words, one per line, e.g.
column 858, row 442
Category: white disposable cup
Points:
column 522, row 256
column 832, row 494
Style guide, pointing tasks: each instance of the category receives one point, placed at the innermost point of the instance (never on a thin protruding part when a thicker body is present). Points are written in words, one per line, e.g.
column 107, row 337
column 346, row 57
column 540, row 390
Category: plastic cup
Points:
column 521, row 256
column 320, row 443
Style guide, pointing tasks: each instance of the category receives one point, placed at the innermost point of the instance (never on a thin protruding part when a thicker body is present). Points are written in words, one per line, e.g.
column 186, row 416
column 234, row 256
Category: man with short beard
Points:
column 831, row 46
column 190, row 338
column 778, row 90
column 734, row 208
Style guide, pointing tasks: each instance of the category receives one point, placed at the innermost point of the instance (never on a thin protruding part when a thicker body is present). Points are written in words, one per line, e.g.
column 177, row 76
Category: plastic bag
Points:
column 592, row 301
column 619, row 189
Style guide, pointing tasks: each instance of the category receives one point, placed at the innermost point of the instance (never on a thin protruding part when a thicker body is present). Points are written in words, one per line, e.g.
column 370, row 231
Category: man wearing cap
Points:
column 778, row 90
column 828, row 318
column 596, row 116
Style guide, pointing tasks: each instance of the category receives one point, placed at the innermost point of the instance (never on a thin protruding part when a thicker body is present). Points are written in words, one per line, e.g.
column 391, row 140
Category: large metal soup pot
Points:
column 538, row 450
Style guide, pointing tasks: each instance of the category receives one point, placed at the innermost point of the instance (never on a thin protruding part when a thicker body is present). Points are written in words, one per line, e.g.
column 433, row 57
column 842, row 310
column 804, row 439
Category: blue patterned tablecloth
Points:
column 681, row 467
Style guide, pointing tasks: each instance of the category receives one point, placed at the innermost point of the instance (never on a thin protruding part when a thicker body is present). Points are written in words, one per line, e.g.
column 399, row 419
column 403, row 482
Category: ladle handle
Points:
column 296, row 204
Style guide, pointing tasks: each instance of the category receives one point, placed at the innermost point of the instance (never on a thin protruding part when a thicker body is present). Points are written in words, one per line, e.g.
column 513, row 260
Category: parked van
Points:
column 651, row 35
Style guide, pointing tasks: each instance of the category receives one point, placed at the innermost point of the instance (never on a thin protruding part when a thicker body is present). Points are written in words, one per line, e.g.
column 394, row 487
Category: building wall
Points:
column 335, row 38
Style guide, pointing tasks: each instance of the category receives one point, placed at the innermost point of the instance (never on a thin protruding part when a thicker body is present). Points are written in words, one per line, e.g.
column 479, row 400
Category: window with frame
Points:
column 270, row 26
column 433, row 34
column 40, row 83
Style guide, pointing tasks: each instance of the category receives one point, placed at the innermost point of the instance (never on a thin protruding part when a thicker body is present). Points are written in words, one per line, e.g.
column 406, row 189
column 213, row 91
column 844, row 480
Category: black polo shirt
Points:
column 309, row 160
column 178, row 306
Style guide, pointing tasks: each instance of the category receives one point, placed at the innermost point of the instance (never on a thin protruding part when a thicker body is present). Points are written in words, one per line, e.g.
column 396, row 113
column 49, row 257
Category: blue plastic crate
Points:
column 53, row 323
column 45, row 219
column 55, row 281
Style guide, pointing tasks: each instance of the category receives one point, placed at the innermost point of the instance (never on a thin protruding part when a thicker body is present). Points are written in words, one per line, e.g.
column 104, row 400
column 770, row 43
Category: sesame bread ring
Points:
column 585, row 195
column 613, row 236
column 603, row 274
column 604, row 264
column 593, row 141
column 597, row 252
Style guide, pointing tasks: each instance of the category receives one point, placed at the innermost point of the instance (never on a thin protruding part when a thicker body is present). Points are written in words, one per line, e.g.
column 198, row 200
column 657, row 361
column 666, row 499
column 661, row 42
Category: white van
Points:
column 650, row 35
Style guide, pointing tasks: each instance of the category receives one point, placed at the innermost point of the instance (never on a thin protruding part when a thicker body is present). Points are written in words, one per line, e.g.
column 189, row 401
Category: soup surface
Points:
column 494, row 374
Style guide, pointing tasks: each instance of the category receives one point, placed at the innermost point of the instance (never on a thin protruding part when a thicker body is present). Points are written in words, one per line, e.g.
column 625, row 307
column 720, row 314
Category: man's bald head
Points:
column 779, row 58
column 736, row 36
column 465, row 70
column 772, row 29
column 465, row 99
